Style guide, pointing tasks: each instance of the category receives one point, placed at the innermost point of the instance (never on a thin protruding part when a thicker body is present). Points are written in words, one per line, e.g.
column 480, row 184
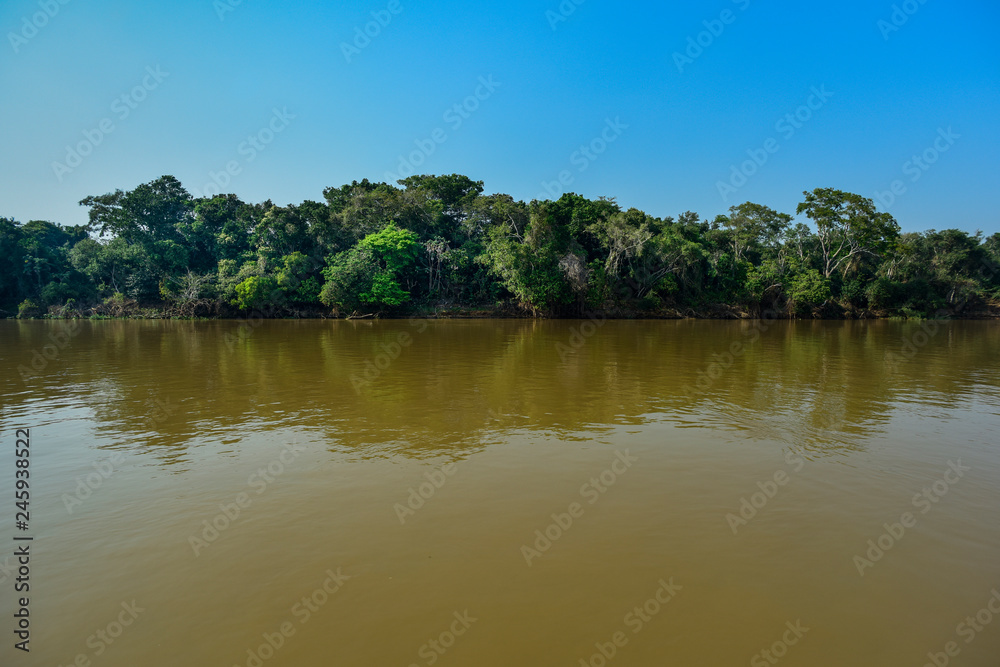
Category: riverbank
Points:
column 217, row 311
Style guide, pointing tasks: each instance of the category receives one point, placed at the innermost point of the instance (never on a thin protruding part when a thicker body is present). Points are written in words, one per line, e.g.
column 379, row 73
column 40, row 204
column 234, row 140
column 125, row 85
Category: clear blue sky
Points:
column 221, row 79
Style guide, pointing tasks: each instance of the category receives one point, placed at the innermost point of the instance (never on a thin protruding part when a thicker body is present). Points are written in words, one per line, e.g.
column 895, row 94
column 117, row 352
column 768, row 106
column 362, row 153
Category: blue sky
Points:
column 192, row 87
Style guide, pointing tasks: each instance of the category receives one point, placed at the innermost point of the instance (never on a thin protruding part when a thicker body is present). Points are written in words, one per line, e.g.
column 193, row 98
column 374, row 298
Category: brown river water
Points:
column 514, row 492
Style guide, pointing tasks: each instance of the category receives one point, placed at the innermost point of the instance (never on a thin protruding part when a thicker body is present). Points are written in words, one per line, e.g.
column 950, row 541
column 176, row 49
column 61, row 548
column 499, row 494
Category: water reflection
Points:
column 423, row 388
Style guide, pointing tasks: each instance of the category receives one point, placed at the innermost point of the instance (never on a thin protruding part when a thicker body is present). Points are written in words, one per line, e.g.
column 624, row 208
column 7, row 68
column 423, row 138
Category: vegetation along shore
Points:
column 437, row 246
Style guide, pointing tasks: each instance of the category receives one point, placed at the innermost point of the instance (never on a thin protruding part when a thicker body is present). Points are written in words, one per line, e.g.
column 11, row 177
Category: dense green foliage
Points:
column 438, row 241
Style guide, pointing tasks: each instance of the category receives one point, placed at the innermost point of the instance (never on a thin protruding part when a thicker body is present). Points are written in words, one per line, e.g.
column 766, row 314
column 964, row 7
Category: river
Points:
column 504, row 492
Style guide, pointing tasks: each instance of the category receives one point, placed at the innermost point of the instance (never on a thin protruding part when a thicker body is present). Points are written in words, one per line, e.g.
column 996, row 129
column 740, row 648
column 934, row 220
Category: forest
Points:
column 438, row 245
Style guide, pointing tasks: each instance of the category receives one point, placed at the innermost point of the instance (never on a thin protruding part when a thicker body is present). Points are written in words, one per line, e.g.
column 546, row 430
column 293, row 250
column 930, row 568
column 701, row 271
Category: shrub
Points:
column 883, row 293
column 808, row 289
column 28, row 309
column 255, row 292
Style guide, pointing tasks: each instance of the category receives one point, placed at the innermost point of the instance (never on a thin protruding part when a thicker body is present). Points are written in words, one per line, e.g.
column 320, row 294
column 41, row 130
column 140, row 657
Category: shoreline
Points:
column 713, row 313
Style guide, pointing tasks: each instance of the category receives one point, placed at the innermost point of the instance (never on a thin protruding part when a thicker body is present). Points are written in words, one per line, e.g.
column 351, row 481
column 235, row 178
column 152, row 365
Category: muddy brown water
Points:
column 505, row 492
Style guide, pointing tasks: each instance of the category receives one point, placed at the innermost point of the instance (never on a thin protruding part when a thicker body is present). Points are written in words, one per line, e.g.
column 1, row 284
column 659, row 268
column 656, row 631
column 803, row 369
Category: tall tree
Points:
column 149, row 213
column 754, row 228
column 847, row 227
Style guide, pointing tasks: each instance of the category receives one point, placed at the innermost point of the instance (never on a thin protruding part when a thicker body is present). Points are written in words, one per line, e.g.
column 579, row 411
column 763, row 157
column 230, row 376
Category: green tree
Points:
column 438, row 205
column 41, row 264
column 808, row 289
column 117, row 267
column 297, row 278
column 13, row 275
column 371, row 273
column 219, row 229
column 347, row 275
column 537, row 267
column 149, row 213
column 848, row 227
column 754, row 228
column 256, row 292
column 360, row 209
column 152, row 217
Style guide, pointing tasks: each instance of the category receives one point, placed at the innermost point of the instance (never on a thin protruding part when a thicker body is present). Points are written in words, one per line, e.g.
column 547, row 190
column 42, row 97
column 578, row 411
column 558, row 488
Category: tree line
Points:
column 438, row 243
